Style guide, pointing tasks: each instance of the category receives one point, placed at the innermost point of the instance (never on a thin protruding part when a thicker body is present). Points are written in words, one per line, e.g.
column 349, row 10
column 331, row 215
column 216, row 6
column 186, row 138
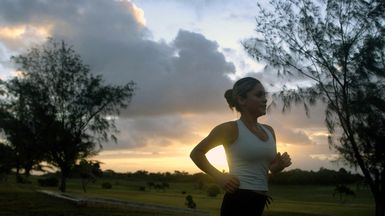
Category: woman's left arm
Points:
column 280, row 162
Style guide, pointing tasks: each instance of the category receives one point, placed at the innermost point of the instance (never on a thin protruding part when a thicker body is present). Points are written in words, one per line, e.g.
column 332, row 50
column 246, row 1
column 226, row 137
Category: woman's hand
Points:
column 280, row 162
column 228, row 182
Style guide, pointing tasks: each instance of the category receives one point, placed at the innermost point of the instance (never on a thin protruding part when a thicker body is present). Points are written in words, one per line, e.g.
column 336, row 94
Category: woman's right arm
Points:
column 223, row 134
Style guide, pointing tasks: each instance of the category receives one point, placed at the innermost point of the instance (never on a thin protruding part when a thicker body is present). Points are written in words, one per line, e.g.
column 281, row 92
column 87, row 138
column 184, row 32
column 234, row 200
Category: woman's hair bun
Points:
column 230, row 98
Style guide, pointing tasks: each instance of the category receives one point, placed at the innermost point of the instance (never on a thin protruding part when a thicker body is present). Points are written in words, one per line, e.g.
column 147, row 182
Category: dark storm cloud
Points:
column 189, row 74
column 186, row 75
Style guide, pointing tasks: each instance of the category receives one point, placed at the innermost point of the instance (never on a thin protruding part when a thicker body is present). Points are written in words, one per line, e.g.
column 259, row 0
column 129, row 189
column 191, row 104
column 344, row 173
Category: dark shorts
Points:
column 244, row 202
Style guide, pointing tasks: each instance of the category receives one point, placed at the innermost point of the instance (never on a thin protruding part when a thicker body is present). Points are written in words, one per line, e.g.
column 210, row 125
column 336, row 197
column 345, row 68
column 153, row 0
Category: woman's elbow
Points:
column 195, row 154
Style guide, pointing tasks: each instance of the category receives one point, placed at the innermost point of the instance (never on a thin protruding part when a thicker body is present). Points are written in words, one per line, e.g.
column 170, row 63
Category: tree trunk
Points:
column 64, row 174
column 380, row 205
column 27, row 171
column 84, row 185
column 18, row 177
column 62, row 187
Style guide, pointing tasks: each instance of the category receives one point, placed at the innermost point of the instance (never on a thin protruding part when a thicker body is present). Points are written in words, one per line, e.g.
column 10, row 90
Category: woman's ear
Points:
column 241, row 100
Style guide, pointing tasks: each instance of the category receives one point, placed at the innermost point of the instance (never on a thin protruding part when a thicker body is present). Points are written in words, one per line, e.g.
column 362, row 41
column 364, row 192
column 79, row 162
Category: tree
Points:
column 190, row 202
column 76, row 108
column 20, row 125
column 6, row 160
column 88, row 171
column 342, row 189
column 338, row 48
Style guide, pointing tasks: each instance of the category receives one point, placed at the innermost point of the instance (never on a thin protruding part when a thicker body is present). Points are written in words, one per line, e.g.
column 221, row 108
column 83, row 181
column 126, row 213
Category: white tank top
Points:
column 249, row 158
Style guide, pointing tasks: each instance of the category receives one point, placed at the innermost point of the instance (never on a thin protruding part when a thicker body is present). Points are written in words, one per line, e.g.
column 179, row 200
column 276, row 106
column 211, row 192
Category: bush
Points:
column 48, row 182
column 106, row 185
column 190, row 202
column 213, row 190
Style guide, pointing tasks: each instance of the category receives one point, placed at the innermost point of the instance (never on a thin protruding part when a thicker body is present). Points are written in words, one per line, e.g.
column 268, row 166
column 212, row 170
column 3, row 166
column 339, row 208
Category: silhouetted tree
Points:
column 342, row 190
column 165, row 185
column 7, row 161
column 79, row 109
column 21, row 124
column 150, row 185
column 88, row 171
column 338, row 47
column 190, row 202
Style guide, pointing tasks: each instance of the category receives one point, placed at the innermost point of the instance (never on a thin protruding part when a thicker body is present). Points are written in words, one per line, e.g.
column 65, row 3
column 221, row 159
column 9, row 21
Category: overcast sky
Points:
column 183, row 55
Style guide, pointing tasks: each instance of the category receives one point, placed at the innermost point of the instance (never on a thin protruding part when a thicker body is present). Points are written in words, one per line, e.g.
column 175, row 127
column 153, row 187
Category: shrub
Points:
column 190, row 202
column 48, row 182
column 106, row 185
column 213, row 190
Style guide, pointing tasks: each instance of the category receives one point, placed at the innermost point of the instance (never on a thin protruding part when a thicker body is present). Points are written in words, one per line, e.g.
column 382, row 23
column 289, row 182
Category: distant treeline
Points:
column 321, row 177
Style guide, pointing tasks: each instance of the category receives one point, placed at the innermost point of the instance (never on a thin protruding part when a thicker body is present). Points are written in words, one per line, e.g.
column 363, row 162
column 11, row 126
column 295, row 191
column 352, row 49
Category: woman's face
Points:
column 255, row 101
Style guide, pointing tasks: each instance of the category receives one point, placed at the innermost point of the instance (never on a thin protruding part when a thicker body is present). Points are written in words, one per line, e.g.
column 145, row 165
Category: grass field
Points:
column 288, row 200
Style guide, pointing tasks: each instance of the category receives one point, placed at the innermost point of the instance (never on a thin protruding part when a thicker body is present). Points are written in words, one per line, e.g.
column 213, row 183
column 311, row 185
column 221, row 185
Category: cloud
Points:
column 325, row 157
column 186, row 75
column 287, row 136
column 155, row 132
column 181, row 82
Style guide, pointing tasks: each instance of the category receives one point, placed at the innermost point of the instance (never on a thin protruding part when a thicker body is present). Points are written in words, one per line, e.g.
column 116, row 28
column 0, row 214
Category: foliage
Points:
column 338, row 48
column 190, row 202
column 321, row 177
column 72, row 111
column 297, row 176
column 342, row 189
column 88, row 171
column 6, row 160
column 20, row 124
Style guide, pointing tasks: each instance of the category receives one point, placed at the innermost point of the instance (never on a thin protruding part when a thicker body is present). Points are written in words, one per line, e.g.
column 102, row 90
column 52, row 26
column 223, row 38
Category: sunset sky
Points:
column 183, row 55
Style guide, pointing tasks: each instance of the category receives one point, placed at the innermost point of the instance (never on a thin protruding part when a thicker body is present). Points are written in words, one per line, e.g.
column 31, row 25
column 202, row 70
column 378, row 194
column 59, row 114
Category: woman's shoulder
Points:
column 227, row 130
column 270, row 129
column 227, row 126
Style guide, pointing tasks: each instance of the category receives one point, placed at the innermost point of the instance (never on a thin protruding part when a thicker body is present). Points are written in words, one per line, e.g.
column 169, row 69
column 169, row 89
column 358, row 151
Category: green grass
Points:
column 22, row 200
column 318, row 200
column 303, row 200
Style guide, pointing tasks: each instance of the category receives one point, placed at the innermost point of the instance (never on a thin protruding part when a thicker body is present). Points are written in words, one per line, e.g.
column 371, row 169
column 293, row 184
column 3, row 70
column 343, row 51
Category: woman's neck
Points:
column 249, row 119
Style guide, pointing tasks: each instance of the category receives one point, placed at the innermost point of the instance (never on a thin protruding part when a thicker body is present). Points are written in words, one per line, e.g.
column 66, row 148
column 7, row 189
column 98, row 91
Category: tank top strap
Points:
column 241, row 127
column 267, row 131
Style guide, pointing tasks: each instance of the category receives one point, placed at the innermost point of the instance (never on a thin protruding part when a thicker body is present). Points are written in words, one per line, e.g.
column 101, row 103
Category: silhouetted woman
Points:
column 250, row 149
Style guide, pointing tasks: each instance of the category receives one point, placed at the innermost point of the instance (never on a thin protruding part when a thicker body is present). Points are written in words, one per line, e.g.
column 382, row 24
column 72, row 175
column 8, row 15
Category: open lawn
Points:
column 303, row 200
column 23, row 200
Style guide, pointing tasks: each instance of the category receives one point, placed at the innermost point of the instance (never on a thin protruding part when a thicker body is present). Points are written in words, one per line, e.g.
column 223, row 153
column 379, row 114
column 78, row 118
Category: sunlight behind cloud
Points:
column 11, row 32
column 325, row 157
column 16, row 32
column 137, row 12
